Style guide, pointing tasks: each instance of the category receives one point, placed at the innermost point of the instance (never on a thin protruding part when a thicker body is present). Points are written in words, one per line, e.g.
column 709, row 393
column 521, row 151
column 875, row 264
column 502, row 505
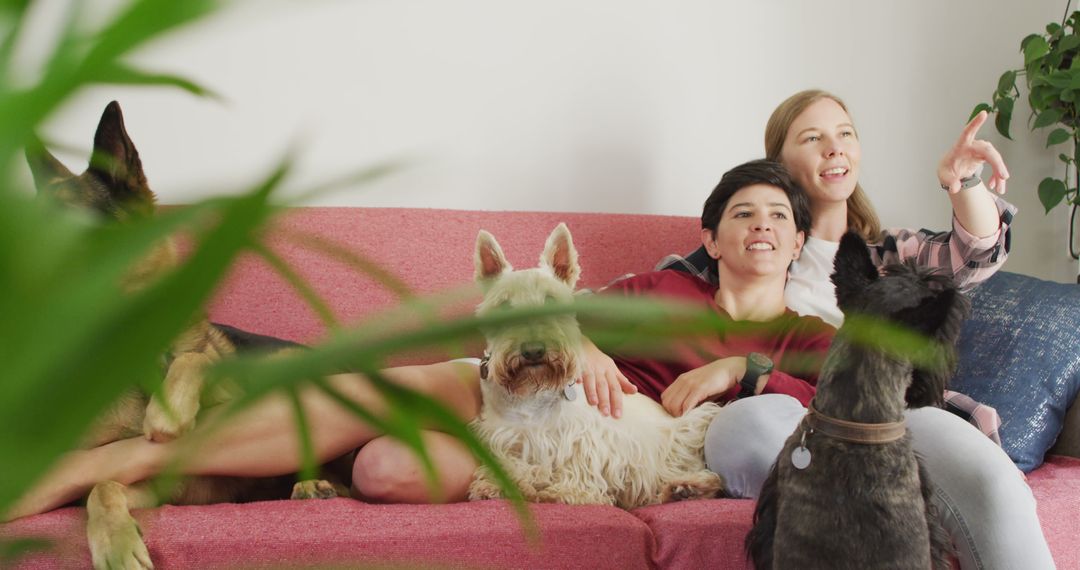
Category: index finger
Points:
column 615, row 397
column 973, row 126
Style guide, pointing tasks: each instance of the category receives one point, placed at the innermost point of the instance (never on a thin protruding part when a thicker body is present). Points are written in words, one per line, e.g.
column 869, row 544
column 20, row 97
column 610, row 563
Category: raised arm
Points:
column 974, row 207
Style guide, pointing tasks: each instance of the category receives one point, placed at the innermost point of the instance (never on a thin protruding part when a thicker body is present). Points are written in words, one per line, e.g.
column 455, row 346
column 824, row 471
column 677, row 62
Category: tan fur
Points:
column 115, row 187
column 565, row 451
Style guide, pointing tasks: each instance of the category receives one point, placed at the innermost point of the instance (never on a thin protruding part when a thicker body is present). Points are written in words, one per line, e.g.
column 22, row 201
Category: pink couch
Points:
column 432, row 250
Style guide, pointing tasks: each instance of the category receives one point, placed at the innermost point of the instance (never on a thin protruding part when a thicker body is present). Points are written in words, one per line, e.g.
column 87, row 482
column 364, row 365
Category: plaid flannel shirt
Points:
column 967, row 259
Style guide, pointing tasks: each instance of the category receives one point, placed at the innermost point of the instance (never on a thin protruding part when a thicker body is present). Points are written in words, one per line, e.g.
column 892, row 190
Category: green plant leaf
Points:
column 1035, row 49
column 1051, row 192
column 1067, row 43
column 1053, row 28
column 142, row 21
column 1042, row 96
column 1068, row 95
column 1058, row 136
column 124, row 75
column 1027, row 40
column 1007, row 83
column 1065, row 158
column 1004, row 116
column 1046, row 118
column 979, row 108
column 1061, row 79
column 120, row 337
column 12, row 549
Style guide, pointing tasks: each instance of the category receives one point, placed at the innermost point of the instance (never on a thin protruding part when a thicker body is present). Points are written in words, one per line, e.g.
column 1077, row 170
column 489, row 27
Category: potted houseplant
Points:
column 1051, row 72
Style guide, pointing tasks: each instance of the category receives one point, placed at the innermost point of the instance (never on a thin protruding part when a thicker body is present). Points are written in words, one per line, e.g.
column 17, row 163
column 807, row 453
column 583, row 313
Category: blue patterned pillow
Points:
column 1020, row 353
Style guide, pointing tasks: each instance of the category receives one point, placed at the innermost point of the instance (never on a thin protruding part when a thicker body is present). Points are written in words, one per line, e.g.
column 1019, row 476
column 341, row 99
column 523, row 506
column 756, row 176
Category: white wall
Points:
column 584, row 105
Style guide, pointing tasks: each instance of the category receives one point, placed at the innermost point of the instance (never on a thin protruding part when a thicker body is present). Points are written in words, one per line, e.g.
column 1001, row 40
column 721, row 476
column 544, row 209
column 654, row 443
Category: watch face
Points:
column 759, row 361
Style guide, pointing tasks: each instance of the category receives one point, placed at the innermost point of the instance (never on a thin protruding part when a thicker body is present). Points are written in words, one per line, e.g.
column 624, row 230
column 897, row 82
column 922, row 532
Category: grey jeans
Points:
column 988, row 508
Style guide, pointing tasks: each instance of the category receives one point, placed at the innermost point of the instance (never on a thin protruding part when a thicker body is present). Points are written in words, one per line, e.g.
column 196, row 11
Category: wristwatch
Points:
column 967, row 182
column 757, row 364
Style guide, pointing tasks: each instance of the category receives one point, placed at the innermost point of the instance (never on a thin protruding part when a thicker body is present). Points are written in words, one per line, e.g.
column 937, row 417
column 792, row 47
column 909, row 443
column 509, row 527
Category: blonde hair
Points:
column 861, row 216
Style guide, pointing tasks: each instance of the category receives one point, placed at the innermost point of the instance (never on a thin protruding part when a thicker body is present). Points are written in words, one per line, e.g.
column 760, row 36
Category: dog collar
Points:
column 484, row 365
column 853, row 432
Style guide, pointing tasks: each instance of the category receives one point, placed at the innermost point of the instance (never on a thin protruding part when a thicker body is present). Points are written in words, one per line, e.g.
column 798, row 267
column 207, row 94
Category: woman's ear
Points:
column 708, row 239
column 800, row 240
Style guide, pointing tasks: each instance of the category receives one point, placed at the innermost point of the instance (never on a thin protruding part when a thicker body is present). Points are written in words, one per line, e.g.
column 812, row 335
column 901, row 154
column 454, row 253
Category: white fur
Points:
column 558, row 450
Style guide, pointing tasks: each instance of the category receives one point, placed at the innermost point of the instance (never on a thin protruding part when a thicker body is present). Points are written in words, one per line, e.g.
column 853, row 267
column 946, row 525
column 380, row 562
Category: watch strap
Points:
column 756, row 365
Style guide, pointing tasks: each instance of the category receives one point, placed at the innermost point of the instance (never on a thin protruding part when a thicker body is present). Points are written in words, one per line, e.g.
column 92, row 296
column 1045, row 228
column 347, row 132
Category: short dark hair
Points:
column 761, row 171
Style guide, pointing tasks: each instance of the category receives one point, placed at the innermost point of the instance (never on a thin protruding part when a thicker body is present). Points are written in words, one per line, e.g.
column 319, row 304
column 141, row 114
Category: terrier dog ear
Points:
column 560, row 256
column 116, row 162
column 930, row 316
column 853, row 270
column 940, row 317
column 489, row 258
column 43, row 165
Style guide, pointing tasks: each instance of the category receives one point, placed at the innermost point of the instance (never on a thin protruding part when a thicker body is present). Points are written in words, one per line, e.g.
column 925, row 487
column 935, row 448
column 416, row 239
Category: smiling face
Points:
column 756, row 236
column 822, row 152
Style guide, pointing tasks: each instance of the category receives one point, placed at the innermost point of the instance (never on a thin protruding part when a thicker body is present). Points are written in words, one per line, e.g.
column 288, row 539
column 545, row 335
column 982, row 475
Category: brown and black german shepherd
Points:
column 115, row 187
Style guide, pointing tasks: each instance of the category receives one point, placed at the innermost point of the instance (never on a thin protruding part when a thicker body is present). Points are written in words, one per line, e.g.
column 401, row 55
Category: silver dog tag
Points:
column 569, row 392
column 800, row 457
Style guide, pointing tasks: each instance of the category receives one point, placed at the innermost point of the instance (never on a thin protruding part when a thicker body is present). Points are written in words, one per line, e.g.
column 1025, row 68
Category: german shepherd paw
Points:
column 118, row 545
column 162, row 425
column 314, row 489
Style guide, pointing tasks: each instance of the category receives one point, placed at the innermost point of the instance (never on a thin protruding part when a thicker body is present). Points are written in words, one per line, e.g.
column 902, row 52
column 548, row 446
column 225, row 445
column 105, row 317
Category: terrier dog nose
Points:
column 533, row 351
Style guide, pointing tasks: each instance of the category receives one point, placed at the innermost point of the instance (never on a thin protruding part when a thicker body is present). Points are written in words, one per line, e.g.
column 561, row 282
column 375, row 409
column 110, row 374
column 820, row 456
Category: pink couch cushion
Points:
column 342, row 531
column 1056, row 486
column 700, row 534
column 429, row 250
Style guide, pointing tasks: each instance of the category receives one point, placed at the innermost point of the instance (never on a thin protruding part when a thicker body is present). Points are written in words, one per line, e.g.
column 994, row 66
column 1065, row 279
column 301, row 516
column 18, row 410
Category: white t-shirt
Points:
column 809, row 291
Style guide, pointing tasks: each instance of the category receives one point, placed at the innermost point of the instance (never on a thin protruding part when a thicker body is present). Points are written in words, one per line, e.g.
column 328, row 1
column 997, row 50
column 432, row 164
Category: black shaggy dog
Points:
column 847, row 490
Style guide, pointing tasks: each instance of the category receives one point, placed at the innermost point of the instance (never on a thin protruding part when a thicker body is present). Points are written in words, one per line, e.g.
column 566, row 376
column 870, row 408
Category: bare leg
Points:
column 260, row 441
column 386, row 471
column 125, row 461
column 263, row 440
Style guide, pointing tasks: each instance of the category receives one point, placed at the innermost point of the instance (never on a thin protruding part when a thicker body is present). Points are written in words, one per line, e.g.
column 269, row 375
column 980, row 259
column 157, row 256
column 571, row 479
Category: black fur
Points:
column 245, row 341
column 859, row 505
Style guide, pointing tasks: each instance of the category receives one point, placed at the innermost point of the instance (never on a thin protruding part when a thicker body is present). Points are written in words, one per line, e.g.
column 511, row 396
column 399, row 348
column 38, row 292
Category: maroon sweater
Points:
column 796, row 345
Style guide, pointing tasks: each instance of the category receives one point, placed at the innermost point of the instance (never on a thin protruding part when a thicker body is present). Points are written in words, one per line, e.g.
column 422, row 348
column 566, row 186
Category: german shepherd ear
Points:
column 853, row 270
column 115, row 161
column 43, row 165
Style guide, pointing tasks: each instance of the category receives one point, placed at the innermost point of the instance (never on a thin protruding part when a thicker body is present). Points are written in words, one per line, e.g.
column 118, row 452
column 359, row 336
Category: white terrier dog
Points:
column 556, row 447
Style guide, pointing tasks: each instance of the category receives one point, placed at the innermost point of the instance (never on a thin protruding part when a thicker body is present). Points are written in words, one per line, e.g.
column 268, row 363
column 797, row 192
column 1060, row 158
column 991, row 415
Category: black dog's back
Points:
column 862, row 503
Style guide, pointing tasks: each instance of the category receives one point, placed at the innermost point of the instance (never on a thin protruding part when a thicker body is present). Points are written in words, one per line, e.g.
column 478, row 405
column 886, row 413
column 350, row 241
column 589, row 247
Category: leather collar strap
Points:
column 484, row 365
column 854, row 432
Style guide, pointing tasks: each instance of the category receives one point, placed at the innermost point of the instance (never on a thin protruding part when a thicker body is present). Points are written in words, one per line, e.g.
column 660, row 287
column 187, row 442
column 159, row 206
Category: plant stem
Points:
column 1075, row 198
column 1076, row 170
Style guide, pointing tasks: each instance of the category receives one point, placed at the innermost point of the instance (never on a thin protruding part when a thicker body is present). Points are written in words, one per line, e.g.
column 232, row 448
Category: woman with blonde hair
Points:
column 986, row 505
